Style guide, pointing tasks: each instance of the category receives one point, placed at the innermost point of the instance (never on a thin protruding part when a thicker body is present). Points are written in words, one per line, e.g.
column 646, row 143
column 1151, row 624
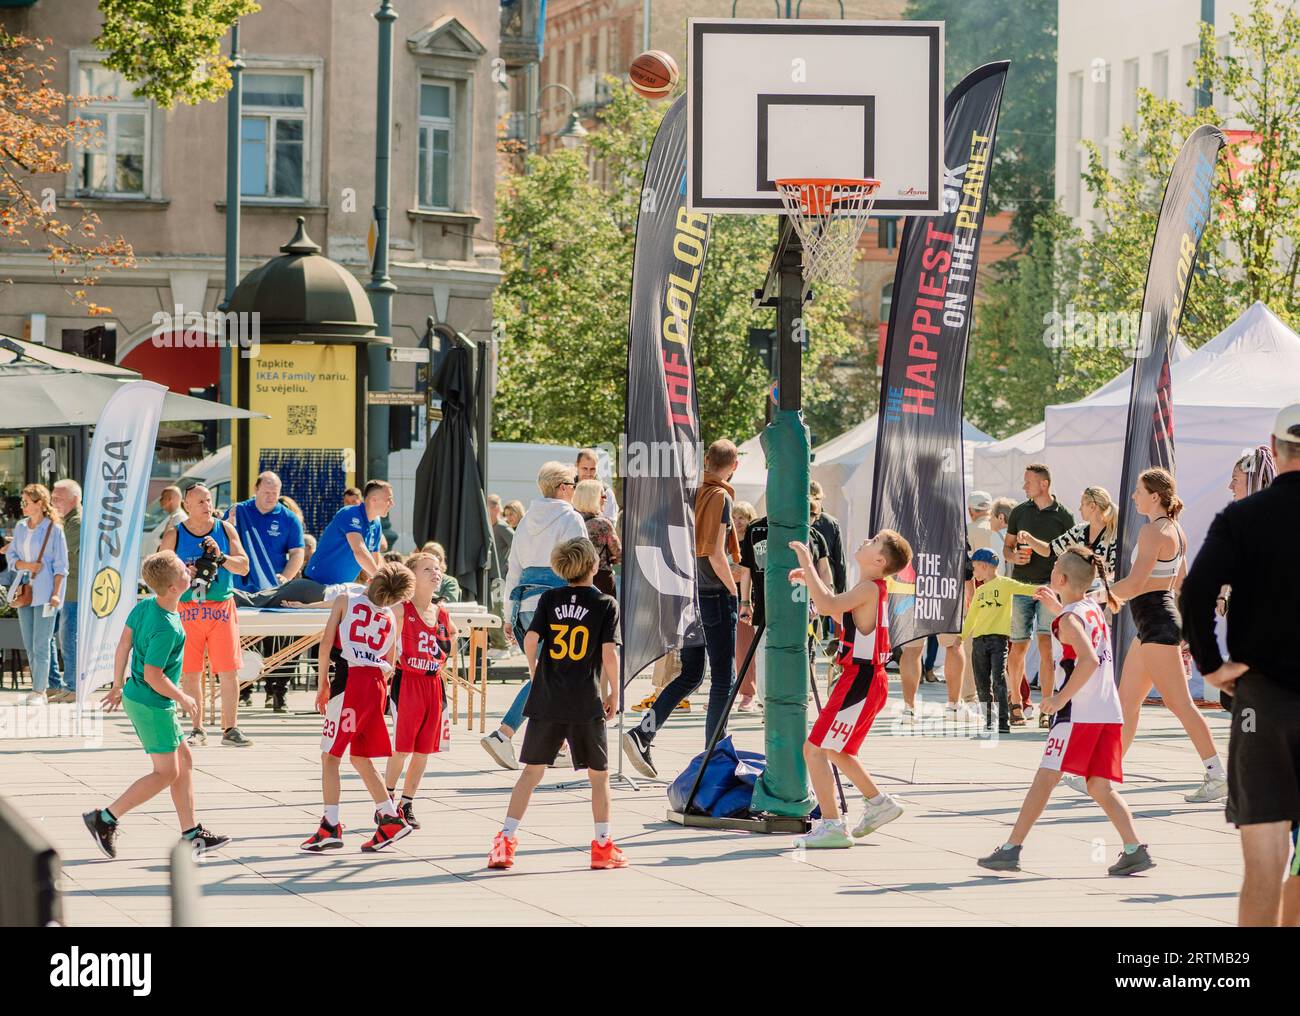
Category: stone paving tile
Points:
column 960, row 795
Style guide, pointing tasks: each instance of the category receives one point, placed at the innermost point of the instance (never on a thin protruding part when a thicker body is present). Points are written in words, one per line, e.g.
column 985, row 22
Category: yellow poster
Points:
column 309, row 393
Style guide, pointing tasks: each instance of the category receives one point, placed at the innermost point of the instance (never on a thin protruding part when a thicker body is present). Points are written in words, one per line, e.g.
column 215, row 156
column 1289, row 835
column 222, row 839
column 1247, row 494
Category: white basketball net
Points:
column 829, row 216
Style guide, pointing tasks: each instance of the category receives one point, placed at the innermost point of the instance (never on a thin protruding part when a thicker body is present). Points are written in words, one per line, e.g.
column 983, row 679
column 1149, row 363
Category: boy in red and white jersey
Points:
column 360, row 639
column 861, row 690
column 418, row 692
column 1086, row 736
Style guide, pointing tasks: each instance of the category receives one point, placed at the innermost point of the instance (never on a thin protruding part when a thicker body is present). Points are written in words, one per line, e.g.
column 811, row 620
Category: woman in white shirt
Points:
column 39, row 554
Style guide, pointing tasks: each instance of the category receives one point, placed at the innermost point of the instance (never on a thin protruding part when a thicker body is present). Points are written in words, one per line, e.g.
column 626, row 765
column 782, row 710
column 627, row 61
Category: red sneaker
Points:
column 390, row 829
column 327, row 837
column 607, row 856
column 503, row 851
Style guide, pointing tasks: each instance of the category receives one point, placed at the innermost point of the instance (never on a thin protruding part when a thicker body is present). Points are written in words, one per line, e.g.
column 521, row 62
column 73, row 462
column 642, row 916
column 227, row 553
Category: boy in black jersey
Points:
column 572, row 657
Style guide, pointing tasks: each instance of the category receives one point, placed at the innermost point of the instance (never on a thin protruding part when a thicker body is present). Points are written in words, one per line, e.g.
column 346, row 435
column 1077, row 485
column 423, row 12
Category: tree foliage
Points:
column 36, row 133
column 567, row 236
column 171, row 49
column 1024, row 32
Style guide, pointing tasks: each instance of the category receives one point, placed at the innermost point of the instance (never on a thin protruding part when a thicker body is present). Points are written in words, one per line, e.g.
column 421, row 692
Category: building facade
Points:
column 1106, row 51
column 307, row 149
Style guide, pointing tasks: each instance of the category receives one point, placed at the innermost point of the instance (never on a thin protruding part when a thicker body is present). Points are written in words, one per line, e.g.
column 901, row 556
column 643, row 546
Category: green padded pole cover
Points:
column 783, row 787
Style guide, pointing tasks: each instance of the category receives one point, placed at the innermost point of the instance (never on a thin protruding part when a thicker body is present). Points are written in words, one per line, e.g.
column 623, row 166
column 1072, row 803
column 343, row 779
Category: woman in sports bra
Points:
column 1155, row 656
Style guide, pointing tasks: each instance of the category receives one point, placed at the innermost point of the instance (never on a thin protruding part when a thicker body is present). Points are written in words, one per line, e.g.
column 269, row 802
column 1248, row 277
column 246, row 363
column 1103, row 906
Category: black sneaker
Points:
column 408, row 813
column 1131, row 864
column 205, row 840
column 277, row 705
column 637, row 750
column 104, row 833
column 270, row 702
column 1002, row 859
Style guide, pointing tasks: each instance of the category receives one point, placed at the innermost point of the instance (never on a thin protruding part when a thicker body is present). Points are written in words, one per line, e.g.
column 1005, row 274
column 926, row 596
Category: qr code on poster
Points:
column 302, row 420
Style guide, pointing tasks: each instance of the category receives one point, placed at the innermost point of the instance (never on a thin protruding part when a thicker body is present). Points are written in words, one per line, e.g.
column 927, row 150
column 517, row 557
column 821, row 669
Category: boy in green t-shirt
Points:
column 154, row 642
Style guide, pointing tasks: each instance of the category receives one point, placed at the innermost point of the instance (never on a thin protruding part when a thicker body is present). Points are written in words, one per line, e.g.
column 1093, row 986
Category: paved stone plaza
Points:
column 961, row 797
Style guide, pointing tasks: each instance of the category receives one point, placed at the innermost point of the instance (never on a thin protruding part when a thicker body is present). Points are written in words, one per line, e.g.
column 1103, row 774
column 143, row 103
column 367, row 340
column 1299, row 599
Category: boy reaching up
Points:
column 861, row 690
column 154, row 642
column 1087, row 720
column 572, row 656
column 360, row 639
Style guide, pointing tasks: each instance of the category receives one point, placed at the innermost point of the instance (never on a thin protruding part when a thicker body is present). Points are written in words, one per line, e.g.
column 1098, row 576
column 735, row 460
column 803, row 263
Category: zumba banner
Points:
column 112, row 527
column 661, row 433
column 1149, row 439
column 919, row 482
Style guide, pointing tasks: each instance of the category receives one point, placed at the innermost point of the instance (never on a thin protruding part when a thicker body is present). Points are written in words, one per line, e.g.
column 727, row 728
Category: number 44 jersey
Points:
column 573, row 624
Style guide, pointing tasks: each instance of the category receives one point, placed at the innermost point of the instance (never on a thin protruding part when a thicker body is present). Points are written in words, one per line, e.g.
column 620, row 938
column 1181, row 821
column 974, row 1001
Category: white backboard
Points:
column 773, row 99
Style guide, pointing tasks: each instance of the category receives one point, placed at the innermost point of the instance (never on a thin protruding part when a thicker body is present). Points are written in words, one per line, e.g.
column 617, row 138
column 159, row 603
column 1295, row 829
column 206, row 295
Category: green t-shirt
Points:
column 157, row 639
column 1044, row 523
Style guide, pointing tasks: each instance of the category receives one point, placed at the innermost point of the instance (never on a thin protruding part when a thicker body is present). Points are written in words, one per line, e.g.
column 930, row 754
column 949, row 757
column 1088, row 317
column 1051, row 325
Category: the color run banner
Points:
column 1149, row 439
column 660, row 458
column 919, row 483
column 112, row 526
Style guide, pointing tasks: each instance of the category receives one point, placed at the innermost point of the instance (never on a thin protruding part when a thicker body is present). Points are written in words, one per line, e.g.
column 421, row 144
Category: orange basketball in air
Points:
column 653, row 74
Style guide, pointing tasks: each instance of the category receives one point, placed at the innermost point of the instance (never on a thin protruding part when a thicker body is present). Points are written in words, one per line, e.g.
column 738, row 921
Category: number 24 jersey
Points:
column 573, row 624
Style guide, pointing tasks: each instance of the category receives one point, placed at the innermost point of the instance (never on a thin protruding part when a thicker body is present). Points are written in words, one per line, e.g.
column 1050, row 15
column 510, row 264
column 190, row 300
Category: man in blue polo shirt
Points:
column 350, row 544
column 272, row 536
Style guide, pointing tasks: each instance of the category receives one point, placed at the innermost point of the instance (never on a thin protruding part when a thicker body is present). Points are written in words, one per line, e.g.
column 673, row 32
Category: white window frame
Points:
column 458, row 75
column 151, row 179
column 1132, row 81
column 430, row 124
column 1160, row 74
column 313, row 69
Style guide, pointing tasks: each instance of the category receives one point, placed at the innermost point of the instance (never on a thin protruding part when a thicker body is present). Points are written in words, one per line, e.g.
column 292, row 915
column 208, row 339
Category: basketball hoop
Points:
column 829, row 215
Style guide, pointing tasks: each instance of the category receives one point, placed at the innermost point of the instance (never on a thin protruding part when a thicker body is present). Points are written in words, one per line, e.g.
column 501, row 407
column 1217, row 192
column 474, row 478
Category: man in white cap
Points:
column 979, row 532
column 1250, row 546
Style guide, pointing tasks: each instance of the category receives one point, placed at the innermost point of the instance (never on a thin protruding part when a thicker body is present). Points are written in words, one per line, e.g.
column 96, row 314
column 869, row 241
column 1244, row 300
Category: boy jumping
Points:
column 1087, row 720
column 154, row 641
column 418, row 692
column 861, row 690
column 572, row 657
column 360, row 639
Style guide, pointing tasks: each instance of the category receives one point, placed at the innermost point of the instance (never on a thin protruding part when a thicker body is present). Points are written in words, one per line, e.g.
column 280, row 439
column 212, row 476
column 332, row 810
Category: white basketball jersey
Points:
column 1098, row 700
column 366, row 633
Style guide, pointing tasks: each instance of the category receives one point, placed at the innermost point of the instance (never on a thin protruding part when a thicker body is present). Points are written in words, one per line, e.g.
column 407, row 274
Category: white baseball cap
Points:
column 1287, row 425
column 979, row 501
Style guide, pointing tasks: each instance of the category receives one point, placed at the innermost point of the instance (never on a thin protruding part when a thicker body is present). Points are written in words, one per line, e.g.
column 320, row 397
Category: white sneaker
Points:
column 907, row 716
column 1212, row 789
column 827, row 834
column 1075, row 782
column 498, row 654
column 950, row 713
column 501, row 749
column 876, row 815
column 36, row 698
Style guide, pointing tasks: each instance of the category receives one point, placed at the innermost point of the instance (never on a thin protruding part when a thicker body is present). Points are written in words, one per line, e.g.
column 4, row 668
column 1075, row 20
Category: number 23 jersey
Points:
column 573, row 624
column 365, row 635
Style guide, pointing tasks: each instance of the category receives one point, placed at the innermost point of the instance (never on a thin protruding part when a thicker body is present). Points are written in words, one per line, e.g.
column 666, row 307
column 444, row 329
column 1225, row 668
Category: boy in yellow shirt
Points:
column 988, row 626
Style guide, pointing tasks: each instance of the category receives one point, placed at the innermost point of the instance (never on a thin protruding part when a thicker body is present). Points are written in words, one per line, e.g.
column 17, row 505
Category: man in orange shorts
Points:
column 211, row 550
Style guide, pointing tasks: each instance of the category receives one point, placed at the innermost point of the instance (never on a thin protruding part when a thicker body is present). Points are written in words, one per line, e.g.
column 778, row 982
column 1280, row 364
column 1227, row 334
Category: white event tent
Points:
column 1000, row 466
column 1226, row 395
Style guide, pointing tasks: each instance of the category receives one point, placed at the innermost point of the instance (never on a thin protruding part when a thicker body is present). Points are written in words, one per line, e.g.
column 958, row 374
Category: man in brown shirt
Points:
column 716, row 547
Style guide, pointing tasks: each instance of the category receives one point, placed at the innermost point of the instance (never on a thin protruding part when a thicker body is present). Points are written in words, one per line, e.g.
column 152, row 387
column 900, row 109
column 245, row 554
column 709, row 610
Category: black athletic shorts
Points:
column 588, row 745
column 1264, row 751
column 1156, row 617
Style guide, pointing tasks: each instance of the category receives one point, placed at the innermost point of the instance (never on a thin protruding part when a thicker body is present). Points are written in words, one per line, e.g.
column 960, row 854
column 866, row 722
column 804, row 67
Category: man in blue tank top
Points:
column 211, row 550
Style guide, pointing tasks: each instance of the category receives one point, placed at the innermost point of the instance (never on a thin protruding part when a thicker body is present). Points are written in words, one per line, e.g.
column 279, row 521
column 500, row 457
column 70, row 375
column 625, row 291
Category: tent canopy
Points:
column 32, row 396
column 1000, row 466
column 1225, row 396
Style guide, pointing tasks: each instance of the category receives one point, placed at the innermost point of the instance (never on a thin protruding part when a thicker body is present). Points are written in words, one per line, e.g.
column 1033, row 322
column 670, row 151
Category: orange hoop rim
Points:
column 809, row 186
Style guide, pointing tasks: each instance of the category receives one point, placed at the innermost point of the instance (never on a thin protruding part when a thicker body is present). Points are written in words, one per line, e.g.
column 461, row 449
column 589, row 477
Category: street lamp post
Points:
column 573, row 134
column 381, row 287
column 234, row 111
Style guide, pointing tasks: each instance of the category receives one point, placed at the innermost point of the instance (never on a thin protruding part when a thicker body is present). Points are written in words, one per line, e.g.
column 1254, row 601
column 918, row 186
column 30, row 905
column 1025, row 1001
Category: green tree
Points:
column 1012, row 373
column 1251, row 247
column 1024, row 32
column 566, row 251
column 171, row 48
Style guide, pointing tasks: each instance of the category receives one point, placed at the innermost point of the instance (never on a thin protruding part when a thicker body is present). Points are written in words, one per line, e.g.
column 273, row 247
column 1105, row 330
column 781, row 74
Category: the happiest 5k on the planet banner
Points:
column 116, row 494
column 309, row 393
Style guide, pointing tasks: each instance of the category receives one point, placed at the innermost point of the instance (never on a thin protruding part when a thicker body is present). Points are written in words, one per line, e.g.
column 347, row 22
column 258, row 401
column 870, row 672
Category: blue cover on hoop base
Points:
column 727, row 786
